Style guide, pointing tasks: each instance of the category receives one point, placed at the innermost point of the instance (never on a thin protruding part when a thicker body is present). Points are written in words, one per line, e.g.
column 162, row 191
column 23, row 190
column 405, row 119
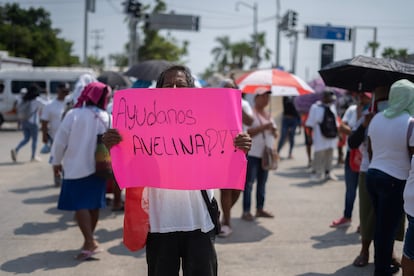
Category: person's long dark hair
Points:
column 176, row 68
column 32, row 93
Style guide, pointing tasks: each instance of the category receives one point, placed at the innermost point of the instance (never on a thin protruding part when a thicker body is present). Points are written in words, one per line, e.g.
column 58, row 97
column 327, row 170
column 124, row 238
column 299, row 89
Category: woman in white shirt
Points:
column 263, row 132
column 73, row 156
column 388, row 170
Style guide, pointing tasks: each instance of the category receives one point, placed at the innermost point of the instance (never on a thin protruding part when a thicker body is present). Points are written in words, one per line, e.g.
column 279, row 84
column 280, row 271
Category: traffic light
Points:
column 133, row 7
column 292, row 19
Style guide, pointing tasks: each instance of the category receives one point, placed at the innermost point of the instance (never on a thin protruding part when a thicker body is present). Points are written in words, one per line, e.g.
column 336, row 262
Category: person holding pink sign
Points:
column 181, row 230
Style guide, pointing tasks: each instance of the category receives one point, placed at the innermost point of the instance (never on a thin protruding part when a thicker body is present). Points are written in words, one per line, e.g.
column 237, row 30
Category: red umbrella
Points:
column 281, row 83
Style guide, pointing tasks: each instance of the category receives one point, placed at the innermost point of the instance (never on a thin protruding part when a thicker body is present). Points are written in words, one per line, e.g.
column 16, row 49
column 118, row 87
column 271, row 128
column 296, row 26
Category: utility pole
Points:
column 133, row 41
column 277, row 49
column 255, row 62
column 133, row 9
column 97, row 37
column 89, row 7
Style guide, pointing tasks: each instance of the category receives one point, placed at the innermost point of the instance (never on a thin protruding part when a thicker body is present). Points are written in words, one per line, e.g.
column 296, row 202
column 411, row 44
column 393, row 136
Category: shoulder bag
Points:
column 103, row 166
column 270, row 158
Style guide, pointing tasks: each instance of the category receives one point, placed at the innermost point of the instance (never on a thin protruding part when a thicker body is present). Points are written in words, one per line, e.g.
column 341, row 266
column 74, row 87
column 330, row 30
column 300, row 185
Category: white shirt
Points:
column 52, row 113
column 247, row 108
column 389, row 145
column 178, row 210
column 315, row 117
column 35, row 109
column 258, row 141
column 350, row 116
column 75, row 141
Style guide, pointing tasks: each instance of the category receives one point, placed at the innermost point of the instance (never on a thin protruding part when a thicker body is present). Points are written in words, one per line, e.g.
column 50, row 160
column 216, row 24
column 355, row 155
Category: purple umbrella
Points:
column 304, row 102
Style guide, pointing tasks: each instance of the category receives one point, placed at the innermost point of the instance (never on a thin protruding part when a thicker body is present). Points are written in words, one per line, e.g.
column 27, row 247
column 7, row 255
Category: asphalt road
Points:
column 38, row 239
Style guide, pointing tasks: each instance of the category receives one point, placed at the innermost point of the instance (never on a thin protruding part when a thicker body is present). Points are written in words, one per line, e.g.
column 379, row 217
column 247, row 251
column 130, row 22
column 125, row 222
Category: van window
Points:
column 54, row 85
column 1, row 87
column 17, row 85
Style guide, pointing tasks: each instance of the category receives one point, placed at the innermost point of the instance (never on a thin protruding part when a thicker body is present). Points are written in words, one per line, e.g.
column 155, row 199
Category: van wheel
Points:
column 1, row 119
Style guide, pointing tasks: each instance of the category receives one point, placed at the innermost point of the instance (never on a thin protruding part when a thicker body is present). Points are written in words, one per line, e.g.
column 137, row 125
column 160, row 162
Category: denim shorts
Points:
column 408, row 249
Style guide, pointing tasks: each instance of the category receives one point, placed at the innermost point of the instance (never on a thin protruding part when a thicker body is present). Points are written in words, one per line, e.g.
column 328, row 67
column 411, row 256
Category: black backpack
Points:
column 328, row 124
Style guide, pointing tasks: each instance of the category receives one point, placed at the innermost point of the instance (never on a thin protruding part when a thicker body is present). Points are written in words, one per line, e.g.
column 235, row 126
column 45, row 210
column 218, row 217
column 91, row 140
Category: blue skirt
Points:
column 83, row 193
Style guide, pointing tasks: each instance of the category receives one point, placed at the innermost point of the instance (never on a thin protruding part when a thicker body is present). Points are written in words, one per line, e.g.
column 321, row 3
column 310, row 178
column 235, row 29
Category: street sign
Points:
column 328, row 32
column 158, row 21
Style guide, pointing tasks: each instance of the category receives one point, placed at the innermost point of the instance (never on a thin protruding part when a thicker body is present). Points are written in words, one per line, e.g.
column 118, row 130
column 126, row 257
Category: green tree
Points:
column 222, row 53
column 399, row 54
column 240, row 53
column 96, row 63
column 29, row 34
column 263, row 52
column 237, row 55
column 120, row 60
column 372, row 46
column 156, row 46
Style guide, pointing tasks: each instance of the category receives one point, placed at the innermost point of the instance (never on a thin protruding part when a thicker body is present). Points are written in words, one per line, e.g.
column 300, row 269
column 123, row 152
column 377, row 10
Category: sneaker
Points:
column 316, row 177
column 13, row 155
column 331, row 176
column 342, row 222
column 225, row 231
column 264, row 214
column 247, row 216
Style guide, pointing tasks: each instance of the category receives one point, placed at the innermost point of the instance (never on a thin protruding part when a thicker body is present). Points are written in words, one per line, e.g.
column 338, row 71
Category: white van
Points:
column 47, row 78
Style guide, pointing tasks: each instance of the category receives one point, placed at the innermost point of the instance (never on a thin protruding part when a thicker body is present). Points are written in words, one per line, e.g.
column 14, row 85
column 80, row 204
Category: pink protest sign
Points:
column 178, row 138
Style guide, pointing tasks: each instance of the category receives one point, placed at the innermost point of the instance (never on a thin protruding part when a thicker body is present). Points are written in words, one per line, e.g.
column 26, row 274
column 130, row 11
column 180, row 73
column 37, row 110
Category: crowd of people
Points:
column 376, row 131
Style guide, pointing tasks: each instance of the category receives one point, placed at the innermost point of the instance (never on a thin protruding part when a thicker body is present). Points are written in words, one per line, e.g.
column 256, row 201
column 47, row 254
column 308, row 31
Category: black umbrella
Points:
column 148, row 70
column 114, row 79
column 365, row 73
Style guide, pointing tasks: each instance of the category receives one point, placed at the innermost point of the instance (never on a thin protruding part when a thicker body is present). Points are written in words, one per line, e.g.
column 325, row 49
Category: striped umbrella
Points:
column 281, row 83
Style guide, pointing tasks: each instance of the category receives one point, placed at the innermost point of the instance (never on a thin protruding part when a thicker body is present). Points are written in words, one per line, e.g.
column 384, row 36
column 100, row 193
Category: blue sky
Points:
column 394, row 21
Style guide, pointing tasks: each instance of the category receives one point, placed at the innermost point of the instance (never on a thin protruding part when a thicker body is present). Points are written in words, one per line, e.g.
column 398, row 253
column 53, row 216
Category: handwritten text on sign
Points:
column 178, row 138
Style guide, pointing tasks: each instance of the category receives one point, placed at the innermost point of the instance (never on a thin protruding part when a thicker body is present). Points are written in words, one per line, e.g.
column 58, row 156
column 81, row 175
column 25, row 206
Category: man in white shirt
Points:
column 51, row 118
column 323, row 146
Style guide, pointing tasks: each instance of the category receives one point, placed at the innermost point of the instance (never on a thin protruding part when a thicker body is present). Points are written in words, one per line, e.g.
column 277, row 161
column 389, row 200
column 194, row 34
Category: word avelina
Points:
column 198, row 143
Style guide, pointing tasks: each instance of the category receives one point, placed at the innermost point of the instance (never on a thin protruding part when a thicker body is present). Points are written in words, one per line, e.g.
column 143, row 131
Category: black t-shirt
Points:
column 289, row 108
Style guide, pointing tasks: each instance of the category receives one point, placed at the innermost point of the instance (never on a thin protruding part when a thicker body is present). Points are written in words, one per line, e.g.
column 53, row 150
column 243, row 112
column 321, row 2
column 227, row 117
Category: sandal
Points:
column 85, row 255
column 361, row 260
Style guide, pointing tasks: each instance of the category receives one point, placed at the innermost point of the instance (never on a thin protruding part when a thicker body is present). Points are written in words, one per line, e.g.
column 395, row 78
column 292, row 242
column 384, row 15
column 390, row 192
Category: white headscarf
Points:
column 82, row 82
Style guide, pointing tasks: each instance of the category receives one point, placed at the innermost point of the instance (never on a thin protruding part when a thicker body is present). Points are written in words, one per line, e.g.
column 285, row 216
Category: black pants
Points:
column 194, row 249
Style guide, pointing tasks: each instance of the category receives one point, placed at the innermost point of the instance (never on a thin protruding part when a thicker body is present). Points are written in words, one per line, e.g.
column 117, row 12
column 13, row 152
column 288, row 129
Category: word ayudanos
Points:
column 131, row 116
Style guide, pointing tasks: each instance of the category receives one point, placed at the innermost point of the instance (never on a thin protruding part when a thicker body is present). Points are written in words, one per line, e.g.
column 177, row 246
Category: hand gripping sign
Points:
column 178, row 138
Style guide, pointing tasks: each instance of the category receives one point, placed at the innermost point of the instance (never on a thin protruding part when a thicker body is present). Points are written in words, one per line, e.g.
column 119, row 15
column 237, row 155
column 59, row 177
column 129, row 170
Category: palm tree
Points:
column 263, row 52
column 221, row 53
column 373, row 46
column 400, row 54
column 240, row 51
